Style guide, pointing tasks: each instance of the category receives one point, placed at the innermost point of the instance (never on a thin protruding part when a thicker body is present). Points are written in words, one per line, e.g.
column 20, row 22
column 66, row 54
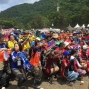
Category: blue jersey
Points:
column 14, row 61
column 3, row 45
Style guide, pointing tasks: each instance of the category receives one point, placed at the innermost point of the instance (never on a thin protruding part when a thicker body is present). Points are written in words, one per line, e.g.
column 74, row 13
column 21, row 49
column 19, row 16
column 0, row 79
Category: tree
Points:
column 39, row 22
column 6, row 23
column 71, row 12
column 58, row 19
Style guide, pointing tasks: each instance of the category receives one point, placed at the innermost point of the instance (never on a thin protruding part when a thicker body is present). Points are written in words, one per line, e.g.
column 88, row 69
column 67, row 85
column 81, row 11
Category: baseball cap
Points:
column 66, row 53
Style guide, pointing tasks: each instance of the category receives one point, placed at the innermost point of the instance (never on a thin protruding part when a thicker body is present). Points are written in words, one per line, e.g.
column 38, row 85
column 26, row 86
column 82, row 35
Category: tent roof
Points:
column 77, row 26
column 70, row 28
column 83, row 26
column 88, row 25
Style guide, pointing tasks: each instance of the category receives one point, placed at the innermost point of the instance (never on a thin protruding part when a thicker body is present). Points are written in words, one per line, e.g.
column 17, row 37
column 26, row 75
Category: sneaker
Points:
column 36, row 86
column 3, row 88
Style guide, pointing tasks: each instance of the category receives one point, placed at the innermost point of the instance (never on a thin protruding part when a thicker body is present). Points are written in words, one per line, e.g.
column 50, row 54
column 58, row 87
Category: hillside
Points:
column 25, row 9
column 44, row 13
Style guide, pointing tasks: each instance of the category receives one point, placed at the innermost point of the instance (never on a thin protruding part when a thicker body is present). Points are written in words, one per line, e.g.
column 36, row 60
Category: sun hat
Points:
column 55, row 35
column 66, row 43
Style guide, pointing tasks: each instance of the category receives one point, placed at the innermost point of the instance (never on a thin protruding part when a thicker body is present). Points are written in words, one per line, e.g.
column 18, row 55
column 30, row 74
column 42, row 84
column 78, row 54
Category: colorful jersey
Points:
column 14, row 63
column 35, row 57
column 26, row 46
column 2, row 45
column 77, row 46
column 11, row 44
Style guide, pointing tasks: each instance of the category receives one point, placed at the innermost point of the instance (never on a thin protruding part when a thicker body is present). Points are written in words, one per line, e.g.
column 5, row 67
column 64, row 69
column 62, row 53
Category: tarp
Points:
column 44, row 30
column 54, row 30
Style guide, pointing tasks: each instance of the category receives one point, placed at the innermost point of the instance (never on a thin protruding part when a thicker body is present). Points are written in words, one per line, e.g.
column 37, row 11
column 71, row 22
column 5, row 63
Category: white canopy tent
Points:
column 88, row 25
column 83, row 26
column 70, row 28
column 77, row 26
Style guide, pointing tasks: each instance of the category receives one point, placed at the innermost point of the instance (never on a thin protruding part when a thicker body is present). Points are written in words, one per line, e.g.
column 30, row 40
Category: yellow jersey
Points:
column 11, row 43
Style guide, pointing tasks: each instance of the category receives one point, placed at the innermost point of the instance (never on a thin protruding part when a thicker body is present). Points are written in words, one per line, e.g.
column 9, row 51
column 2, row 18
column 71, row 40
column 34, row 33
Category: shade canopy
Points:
column 77, row 26
column 83, row 26
column 70, row 28
column 88, row 25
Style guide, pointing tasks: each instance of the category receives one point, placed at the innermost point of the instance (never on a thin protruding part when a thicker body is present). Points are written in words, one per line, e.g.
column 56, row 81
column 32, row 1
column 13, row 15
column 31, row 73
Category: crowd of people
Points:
column 47, row 54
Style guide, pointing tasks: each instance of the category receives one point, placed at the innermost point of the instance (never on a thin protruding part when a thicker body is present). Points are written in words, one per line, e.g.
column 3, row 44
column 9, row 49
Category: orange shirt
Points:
column 61, row 36
column 34, row 60
column 2, row 56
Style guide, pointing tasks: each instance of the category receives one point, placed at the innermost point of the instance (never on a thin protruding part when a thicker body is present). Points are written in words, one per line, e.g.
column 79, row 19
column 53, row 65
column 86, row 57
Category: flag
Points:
column 26, row 62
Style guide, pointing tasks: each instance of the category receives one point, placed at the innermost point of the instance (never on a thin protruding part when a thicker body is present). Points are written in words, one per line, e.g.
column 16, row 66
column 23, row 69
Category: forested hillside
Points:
column 44, row 13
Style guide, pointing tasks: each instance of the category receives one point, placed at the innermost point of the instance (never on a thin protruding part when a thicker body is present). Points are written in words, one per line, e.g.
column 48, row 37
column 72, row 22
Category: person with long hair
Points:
column 17, row 65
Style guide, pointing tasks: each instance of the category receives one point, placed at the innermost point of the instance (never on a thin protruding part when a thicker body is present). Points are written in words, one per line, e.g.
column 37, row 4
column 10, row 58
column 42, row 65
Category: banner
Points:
column 75, row 46
column 51, row 44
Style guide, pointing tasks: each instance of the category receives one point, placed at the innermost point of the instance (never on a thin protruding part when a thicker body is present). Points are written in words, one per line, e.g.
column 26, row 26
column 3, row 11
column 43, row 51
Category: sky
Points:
column 4, row 4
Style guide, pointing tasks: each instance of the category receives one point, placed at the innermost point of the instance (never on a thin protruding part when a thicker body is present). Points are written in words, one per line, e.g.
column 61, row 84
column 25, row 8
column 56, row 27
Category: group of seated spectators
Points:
column 50, row 55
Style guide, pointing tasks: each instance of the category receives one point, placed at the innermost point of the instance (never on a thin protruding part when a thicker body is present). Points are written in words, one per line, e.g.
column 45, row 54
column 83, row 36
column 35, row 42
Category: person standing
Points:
column 3, row 48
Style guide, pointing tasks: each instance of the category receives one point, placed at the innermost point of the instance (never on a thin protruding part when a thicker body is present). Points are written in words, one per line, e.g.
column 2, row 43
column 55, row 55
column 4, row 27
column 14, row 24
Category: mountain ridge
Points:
column 70, row 12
